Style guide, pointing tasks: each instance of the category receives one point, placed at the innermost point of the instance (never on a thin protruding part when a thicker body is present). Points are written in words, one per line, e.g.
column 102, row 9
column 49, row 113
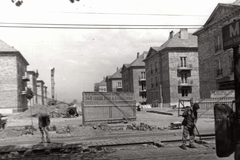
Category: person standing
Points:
column 190, row 115
column 43, row 124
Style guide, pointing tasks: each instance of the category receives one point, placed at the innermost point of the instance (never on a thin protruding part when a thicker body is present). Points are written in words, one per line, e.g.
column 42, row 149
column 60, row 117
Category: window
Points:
column 143, row 75
column 184, row 77
column 184, row 92
column 183, row 61
column 119, row 84
column 152, row 82
column 219, row 68
column 217, row 43
column 156, row 79
column 156, row 69
column 151, row 69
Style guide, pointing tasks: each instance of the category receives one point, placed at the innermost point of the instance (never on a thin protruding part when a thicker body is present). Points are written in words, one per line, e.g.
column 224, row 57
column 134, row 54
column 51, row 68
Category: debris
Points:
column 175, row 125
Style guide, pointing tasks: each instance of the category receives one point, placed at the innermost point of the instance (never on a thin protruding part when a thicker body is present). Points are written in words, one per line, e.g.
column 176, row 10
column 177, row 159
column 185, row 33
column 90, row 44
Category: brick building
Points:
column 45, row 94
column 13, row 76
column 40, row 92
column 114, row 82
column 134, row 79
column 172, row 70
column 32, row 84
column 216, row 65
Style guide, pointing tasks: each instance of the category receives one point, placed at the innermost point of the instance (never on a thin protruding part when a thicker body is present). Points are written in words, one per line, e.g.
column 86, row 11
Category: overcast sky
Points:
column 82, row 57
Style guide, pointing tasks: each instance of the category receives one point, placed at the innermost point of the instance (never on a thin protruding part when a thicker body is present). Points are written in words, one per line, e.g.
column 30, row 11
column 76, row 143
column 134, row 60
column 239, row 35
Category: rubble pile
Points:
column 55, row 111
column 133, row 126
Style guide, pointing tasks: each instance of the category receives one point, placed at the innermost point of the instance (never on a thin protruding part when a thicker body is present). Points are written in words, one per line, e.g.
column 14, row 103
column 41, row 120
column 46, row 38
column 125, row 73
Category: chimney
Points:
column 171, row 35
column 117, row 68
column 137, row 54
column 183, row 33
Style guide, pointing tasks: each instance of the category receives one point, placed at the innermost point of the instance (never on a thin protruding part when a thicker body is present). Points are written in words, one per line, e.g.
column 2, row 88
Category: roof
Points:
column 177, row 42
column 102, row 83
column 139, row 60
column 116, row 74
column 6, row 49
column 221, row 12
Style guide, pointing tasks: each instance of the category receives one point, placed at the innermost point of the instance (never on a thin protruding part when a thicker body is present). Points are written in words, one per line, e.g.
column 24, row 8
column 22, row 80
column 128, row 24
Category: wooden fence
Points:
column 207, row 105
column 107, row 107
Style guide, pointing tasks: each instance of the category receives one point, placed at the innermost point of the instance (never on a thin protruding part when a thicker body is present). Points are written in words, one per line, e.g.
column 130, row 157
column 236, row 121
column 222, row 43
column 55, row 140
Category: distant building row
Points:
column 15, row 79
column 187, row 66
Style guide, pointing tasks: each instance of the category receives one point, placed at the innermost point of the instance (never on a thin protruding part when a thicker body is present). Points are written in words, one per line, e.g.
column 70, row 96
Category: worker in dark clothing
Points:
column 43, row 124
column 190, row 119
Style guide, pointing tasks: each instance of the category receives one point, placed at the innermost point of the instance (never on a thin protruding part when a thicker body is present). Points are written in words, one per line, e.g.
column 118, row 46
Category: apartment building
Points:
column 172, row 70
column 32, row 84
column 13, row 76
column 40, row 92
column 134, row 78
column 45, row 95
column 114, row 82
column 216, row 65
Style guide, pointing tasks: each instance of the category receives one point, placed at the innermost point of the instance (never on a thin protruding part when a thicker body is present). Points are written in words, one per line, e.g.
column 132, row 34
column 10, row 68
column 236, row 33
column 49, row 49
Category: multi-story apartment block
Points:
column 134, row 79
column 172, row 70
column 13, row 76
column 45, row 94
column 216, row 70
column 114, row 82
column 40, row 92
column 32, row 84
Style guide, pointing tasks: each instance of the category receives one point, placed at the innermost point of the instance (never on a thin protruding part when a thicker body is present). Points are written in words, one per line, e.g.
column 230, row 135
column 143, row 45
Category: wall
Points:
column 175, row 76
column 8, row 85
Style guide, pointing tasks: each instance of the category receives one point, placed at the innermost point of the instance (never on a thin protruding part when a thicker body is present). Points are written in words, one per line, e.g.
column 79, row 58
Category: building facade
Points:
column 172, row 70
column 32, row 84
column 216, row 65
column 114, row 82
column 13, row 75
column 40, row 92
column 101, row 86
column 45, row 96
column 134, row 78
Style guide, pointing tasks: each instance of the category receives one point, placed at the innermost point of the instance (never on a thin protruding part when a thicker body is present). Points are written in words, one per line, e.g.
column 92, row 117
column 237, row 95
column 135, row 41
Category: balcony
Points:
column 187, row 67
column 25, row 77
column 142, row 79
column 185, row 83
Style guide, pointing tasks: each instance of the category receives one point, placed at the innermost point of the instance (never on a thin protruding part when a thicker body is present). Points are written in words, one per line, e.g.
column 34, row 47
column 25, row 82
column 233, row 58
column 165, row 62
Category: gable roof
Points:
column 6, row 49
column 139, row 61
column 102, row 83
column 221, row 10
column 116, row 74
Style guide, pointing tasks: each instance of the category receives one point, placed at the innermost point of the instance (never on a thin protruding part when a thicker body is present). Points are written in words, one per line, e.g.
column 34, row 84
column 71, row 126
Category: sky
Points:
column 83, row 56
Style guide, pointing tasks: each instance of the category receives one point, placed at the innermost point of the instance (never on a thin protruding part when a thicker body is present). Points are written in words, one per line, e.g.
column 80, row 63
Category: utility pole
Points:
column 53, row 84
column 236, row 56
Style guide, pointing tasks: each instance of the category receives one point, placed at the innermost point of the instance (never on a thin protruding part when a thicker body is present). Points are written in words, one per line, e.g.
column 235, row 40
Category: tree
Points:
column 29, row 94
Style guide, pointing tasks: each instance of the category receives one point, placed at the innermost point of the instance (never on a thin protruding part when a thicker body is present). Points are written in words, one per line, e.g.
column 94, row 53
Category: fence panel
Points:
column 206, row 106
column 104, row 107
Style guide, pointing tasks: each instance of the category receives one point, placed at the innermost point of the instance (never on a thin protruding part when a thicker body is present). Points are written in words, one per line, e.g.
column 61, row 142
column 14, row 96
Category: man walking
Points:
column 43, row 123
column 190, row 119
